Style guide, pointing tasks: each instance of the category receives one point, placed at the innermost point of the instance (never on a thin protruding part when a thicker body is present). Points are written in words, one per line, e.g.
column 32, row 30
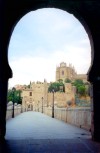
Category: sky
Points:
column 41, row 40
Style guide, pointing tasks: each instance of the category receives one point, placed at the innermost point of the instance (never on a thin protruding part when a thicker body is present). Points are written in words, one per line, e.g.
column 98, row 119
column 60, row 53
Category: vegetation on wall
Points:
column 67, row 80
column 81, row 88
column 56, row 86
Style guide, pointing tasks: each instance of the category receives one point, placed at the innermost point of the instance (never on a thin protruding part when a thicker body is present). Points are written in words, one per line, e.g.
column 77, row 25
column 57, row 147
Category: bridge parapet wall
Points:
column 17, row 111
column 80, row 117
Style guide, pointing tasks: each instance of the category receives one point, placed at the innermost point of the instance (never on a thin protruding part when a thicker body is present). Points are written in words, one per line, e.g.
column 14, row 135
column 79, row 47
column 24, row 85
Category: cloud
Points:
column 41, row 40
column 32, row 68
column 38, row 68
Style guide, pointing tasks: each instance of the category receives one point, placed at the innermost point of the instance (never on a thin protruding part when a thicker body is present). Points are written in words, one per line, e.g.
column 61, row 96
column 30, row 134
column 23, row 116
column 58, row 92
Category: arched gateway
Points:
column 87, row 12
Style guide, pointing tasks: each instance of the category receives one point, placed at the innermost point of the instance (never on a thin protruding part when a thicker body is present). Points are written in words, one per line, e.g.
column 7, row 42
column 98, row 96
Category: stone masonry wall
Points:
column 60, row 99
column 40, row 90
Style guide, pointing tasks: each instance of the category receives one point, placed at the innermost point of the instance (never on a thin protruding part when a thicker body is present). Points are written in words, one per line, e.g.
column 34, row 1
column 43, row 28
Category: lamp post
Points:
column 53, row 104
column 20, row 99
column 42, row 104
column 21, row 105
column 13, row 90
column 38, row 106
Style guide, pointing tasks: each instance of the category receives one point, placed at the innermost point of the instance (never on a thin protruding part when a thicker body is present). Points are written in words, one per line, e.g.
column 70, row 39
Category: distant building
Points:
column 32, row 97
column 33, row 94
column 81, row 77
column 20, row 87
column 63, row 71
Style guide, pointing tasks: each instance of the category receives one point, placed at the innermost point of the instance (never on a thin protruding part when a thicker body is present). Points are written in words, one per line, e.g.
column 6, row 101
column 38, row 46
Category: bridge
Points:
column 35, row 132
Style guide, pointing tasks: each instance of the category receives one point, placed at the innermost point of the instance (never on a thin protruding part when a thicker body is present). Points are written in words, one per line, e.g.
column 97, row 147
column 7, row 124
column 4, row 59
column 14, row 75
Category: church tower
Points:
column 63, row 71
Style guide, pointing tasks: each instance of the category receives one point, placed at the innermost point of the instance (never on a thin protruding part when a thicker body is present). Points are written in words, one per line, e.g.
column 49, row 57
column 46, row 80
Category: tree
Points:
column 14, row 96
column 82, row 90
column 67, row 80
column 10, row 95
column 78, row 82
column 57, row 86
column 60, row 80
column 18, row 98
column 80, row 87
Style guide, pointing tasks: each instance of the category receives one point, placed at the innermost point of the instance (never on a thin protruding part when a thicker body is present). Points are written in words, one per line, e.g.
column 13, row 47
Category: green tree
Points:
column 60, row 81
column 82, row 90
column 78, row 82
column 17, row 96
column 80, row 87
column 57, row 86
column 14, row 96
column 67, row 80
column 10, row 95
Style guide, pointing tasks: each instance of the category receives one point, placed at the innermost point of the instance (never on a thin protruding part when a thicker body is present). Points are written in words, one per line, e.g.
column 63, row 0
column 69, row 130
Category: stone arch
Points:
column 87, row 12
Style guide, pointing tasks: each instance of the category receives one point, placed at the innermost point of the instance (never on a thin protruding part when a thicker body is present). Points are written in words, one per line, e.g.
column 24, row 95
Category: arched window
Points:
column 30, row 93
column 62, row 72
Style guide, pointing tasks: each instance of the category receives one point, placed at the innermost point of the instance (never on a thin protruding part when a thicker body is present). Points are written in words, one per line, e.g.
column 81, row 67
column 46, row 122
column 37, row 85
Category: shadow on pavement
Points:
column 49, row 146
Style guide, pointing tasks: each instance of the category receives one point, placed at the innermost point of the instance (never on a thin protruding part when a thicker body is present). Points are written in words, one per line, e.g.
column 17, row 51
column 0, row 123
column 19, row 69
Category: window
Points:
column 28, row 106
column 62, row 72
column 30, row 94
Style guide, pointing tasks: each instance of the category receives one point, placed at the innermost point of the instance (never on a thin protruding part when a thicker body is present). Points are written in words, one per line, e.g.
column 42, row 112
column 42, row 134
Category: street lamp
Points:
column 42, row 104
column 53, row 104
column 21, row 105
column 38, row 106
column 13, row 90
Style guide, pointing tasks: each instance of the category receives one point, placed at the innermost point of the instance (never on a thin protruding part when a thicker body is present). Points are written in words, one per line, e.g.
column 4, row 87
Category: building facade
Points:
column 37, row 96
column 32, row 96
column 65, row 71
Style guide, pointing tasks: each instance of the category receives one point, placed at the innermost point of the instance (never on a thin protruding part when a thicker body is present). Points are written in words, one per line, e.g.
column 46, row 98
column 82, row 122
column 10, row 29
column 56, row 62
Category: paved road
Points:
column 34, row 132
column 34, row 125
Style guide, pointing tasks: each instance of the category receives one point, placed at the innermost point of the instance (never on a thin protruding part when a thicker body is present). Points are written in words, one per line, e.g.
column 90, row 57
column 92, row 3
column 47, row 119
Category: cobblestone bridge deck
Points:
column 34, row 132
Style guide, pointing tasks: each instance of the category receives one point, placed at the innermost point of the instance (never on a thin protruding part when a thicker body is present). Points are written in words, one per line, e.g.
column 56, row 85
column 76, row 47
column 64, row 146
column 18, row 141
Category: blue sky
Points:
column 41, row 40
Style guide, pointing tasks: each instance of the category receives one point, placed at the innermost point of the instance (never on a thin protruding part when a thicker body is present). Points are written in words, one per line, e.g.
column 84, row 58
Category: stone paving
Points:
column 34, row 132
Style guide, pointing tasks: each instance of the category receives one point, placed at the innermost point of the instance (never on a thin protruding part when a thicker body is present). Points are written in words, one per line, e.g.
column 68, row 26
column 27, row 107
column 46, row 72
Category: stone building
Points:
column 20, row 87
column 82, row 77
column 33, row 97
column 37, row 93
column 68, row 71
column 61, row 99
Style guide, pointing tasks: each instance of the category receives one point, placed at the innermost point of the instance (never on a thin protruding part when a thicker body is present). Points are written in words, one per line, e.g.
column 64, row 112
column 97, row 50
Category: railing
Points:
column 17, row 110
column 80, row 117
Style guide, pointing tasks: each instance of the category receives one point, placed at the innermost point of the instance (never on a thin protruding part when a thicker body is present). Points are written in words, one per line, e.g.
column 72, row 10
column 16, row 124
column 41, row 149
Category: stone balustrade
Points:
column 80, row 117
column 17, row 110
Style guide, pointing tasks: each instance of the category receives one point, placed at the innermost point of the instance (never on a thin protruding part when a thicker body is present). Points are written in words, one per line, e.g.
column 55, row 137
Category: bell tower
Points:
column 61, row 72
